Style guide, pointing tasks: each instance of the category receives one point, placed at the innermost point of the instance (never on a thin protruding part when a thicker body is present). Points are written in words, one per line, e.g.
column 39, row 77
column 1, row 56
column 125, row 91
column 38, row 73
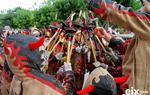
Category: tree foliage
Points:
column 44, row 16
column 23, row 18
column 66, row 7
column 7, row 19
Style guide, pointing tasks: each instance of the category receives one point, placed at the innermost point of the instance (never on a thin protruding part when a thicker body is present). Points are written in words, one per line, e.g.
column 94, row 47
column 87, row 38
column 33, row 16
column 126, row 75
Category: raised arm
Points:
column 136, row 22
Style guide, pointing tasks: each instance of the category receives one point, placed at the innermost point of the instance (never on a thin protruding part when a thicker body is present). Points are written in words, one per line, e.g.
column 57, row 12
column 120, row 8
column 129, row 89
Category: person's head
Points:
column 102, row 82
column 23, row 53
column 146, row 5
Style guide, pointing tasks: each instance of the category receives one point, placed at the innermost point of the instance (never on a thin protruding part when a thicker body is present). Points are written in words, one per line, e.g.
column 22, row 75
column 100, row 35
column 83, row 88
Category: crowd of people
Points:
column 83, row 58
column 76, row 56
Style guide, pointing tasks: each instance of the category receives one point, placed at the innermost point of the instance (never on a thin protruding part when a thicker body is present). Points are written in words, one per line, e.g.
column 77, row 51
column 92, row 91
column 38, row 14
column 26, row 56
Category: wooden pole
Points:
column 71, row 48
column 51, row 40
column 68, row 50
column 103, row 48
column 93, row 50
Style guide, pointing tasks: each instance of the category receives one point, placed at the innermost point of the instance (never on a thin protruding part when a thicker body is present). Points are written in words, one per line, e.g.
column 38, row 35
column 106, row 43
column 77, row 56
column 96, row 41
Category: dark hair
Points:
column 142, row 1
column 1, row 37
column 1, row 30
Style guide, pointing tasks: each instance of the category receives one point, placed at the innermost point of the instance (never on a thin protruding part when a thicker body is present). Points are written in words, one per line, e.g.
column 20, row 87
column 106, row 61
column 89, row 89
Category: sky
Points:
column 27, row 4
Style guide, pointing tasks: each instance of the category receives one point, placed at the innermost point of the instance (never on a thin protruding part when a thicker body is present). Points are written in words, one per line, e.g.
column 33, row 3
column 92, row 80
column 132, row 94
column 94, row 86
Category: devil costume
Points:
column 136, row 61
column 24, row 59
column 102, row 81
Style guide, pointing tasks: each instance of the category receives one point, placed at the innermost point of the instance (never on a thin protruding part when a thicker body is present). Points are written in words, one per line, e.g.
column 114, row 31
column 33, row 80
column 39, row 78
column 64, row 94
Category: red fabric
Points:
column 26, row 32
column 101, row 10
column 121, row 80
column 55, row 24
column 86, row 90
column 35, row 45
column 58, row 47
column 6, row 75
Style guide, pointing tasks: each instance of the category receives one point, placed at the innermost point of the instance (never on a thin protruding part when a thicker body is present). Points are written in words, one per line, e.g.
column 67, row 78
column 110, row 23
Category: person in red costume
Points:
column 136, row 61
column 120, row 45
column 23, row 55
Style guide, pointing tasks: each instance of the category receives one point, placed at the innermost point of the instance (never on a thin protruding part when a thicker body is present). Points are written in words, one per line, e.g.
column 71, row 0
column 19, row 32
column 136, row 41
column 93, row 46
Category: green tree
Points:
column 23, row 19
column 66, row 7
column 44, row 16
column 7, row 19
